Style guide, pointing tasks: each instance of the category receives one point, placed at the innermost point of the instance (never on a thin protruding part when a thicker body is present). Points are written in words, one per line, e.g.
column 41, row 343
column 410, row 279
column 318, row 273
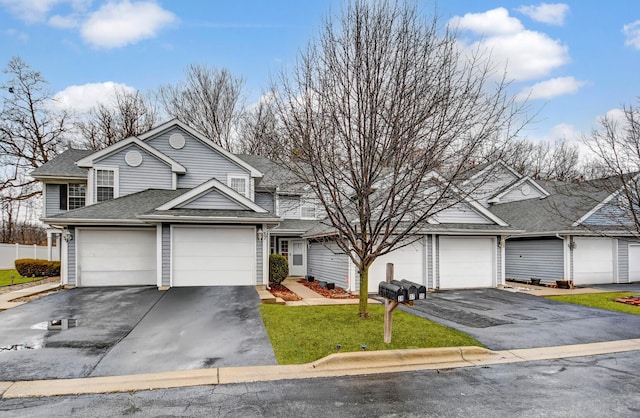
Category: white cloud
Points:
column 552, row 14
column 632, row 32
column 80, row 99
column 496, row 21
column 63, row 22
column 549, row 89
column 524, row 53
column 117, row 24
column 564, row 131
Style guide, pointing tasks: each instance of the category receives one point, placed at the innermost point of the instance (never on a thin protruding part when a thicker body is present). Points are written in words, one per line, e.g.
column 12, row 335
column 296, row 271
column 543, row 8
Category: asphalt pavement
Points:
column 127, row 330
column 503, row 320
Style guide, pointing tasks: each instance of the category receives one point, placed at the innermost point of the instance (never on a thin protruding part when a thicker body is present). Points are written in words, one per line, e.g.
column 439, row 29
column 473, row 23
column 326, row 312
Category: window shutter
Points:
column 63, row 196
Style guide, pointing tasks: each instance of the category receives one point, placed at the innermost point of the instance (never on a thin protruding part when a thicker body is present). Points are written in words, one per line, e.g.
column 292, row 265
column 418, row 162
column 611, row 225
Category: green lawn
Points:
column 5, row 278
column 602, row 301
column 301, row 334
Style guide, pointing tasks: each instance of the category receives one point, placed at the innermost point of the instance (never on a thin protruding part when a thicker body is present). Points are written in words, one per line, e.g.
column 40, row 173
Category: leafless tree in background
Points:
column 376, row 104
column 258, row 129
column 129, row 114
column 544, row 160
column 616, row 144
column 32, row 132
column 209, row 100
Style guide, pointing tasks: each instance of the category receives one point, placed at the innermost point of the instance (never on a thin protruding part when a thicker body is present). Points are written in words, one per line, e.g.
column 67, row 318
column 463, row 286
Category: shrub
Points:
column 31, row 267
column 278, row 268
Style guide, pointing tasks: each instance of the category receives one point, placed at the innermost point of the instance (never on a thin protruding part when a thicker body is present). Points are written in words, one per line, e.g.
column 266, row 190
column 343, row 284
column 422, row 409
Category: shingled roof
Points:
column 63, row 166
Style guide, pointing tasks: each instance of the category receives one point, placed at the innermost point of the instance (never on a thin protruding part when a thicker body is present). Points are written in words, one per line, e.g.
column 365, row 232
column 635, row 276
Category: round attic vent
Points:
column 526, row 189
column 133, row 158
column 176, row 141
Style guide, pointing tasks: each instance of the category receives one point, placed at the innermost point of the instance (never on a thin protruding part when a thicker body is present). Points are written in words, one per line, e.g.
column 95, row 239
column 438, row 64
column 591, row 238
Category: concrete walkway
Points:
column 6, row 299
column 553, row 291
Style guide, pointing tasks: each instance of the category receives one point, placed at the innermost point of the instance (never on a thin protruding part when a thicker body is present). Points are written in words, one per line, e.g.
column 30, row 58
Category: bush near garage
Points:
column 31, row 267
column 278, row 268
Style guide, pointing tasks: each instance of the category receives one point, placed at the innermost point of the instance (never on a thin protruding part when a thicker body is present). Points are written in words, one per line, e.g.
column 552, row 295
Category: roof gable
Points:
column 94, row 158
column 159, row 130
column 201, row 197
column 525, row 188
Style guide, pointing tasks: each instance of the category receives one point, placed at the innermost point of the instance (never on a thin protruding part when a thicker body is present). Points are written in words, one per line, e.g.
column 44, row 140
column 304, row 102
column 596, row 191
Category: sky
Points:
column 575, row 61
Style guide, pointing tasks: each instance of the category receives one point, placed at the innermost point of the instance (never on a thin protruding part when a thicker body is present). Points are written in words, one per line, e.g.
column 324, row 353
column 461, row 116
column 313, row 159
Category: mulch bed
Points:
column 629, row 300
column 337, row 293
column 284, row 293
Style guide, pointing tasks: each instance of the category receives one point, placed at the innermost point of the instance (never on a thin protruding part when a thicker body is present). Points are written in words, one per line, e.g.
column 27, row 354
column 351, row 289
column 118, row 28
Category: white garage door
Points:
column 593, row 261
column 634, row 263
column 467, row 262
column 408, row 264
column 116, row 257
column 214, row 256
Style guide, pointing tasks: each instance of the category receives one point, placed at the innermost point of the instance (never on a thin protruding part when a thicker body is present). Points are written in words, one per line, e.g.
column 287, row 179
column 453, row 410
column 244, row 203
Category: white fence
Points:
column 11, row 252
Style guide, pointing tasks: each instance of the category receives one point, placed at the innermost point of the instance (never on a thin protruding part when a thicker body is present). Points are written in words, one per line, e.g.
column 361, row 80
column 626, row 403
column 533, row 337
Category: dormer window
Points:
column 240, row 184
column 105, row 185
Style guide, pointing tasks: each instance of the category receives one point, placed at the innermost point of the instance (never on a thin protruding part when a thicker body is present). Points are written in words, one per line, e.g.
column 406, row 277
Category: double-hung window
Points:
column 105, row 185
column 240, row 184
column 76, row 195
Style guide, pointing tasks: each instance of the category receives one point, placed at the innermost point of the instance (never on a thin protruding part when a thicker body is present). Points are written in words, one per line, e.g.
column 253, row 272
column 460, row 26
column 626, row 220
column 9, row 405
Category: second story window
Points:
column 105, row 185
column 76, row 195
column 239, row 184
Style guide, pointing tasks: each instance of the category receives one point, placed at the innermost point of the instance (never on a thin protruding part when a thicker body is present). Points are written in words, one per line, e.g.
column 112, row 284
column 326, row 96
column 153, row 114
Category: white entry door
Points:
column 297, row 258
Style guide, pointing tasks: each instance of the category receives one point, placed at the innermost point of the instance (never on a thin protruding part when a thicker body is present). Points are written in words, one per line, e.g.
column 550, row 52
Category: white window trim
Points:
column 247, row 188
column 69, row 195
column 94, row 182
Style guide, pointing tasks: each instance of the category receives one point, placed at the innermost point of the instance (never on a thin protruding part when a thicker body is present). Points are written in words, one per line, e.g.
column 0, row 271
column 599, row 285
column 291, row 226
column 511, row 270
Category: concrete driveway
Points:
column 504, row 320
column 125, row 330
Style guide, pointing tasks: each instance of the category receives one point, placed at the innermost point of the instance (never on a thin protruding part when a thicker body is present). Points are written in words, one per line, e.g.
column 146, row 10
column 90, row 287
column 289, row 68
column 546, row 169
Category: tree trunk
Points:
column 364, row 294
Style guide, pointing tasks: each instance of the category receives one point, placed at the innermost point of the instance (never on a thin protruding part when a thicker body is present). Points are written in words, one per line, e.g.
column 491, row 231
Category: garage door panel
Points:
column 593, row 261
column 213, row 256
column 466, row 262
column 116, row 257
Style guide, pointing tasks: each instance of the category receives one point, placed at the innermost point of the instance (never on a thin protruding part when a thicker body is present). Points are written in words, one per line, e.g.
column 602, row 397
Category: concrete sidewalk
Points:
column 339, row 364
column 6, row 299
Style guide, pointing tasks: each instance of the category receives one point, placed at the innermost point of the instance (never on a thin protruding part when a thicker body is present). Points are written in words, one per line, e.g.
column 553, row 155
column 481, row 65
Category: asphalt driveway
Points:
column 504, row 320
column 126, row 330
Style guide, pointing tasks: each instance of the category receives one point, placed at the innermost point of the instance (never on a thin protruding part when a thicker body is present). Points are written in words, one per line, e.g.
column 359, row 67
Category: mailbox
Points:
column 392, row 292
column 421, row 291
column 410, row 291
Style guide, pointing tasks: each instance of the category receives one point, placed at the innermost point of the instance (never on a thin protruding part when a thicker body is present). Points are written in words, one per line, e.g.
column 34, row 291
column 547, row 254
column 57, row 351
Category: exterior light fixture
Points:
column 66, row 235
column 260, row 234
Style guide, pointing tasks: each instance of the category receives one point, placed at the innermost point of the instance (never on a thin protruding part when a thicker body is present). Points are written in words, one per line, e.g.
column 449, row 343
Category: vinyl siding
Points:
column 71, row 258
column 52, row 205
column 499, row 272
column 289, row 207
column 201, row 161
column 623, row 261
column 213, row 200
column 461, row 213
column 265, row 200
column 489, row 184
column 534, row 259
column 516, row 193
column 325, row 261
column 166, row 254
column 259, row 261
column 610, row 215
column 430, row 278
column 151, row 174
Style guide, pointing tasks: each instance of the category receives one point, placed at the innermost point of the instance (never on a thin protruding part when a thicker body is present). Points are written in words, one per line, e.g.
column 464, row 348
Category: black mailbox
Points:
column 421, row 291
column 391, row 291
column 410, row 291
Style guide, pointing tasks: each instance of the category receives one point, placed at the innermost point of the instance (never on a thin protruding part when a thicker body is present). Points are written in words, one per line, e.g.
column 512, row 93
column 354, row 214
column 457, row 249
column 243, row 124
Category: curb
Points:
column 334, row 365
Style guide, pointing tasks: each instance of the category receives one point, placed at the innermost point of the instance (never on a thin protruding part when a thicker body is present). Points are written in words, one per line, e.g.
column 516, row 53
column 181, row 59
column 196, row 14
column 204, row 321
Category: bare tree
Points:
column 129, row 114
column 32, row 132
column 377, row 104
column 258, row 129
column 616, row 143
column 544, row 160
column 209, row 100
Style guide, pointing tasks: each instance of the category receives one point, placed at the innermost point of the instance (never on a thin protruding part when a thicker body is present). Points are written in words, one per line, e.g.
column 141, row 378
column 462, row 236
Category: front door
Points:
column 297, row 258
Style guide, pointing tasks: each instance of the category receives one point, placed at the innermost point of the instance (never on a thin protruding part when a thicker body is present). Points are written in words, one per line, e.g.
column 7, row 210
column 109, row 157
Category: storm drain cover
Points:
column 60, row 324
